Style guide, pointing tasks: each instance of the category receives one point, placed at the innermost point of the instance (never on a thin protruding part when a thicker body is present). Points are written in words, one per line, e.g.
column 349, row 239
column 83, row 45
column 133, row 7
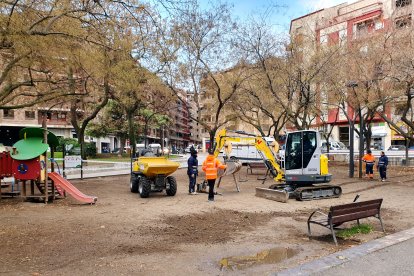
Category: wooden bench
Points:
column 344, row 213
column 251, row 166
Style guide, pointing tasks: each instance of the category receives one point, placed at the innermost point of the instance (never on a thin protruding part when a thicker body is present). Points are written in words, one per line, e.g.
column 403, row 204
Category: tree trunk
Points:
column 131, row 130
column 122, row 146
column 146, row 134
column 407, row 144
column 212, row 136
column 328, row 147
column 81, row 141
column 368, row 136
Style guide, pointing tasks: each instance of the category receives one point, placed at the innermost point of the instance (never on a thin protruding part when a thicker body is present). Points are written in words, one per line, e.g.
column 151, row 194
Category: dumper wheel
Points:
column 144, row 187
column 134, row 184
column 173, row 186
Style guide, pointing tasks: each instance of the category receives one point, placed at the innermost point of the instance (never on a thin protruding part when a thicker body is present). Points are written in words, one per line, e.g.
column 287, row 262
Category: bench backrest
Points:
column 353, row 211
column 257, row 165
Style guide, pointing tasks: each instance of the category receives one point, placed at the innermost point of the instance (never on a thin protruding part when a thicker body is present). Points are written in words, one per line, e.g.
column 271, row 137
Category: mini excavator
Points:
column 301, row 172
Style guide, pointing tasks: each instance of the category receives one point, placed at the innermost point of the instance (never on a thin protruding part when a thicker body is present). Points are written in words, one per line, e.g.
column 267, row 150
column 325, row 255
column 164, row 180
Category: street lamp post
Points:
column 351, row 84
column 361, row 141
column 351, row 149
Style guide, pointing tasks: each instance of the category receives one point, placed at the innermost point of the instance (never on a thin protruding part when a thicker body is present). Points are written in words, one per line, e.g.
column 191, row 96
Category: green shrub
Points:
column 90, row 149
column 350, row 232
column 66, row 142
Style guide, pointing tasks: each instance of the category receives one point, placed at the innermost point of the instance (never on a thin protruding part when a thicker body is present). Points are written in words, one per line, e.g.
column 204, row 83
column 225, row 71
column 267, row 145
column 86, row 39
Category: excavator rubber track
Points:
column 317, row 192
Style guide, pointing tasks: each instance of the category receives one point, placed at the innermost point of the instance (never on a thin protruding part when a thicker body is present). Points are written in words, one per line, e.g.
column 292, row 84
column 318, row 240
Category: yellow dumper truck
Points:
column 153, row 174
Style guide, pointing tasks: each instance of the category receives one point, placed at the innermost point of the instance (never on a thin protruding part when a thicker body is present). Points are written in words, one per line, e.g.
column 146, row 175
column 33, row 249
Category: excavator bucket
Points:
column 232, row 167
column 276, row 195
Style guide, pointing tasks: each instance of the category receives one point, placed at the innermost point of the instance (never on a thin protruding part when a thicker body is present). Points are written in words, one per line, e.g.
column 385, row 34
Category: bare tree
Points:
column 199, row 58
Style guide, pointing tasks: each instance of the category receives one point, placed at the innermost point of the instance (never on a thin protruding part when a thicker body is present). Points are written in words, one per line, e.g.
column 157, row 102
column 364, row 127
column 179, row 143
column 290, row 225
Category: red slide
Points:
column 70, row 189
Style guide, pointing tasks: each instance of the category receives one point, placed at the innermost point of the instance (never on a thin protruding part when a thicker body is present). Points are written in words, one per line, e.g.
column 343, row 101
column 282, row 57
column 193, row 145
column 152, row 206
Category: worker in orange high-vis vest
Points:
column 369, row 159
column 210, row 167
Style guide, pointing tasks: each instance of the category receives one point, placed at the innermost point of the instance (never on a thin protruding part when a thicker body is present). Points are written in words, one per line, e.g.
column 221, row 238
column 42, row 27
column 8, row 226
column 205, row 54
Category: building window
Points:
column 402, row 3
column 379, row 25
column 342, row 34
column 363, row 49
column 364, row 28
column 61, row 115
column 403, row 22
column 323, row 39
column 9, row 114
column 28, row 114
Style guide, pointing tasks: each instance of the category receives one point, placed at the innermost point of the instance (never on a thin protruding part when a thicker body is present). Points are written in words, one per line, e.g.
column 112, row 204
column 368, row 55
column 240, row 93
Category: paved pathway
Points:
column 390, row 255
column 394, row 260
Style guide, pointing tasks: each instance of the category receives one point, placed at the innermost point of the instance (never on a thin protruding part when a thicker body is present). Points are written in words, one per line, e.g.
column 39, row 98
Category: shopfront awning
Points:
column 378, row 131
column 378, row 134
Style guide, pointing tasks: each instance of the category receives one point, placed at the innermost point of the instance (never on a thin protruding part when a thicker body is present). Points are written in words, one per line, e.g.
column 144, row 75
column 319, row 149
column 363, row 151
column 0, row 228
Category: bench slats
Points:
column 354, row 216
column 257, row 165
column 335, row 213
column 356, row 204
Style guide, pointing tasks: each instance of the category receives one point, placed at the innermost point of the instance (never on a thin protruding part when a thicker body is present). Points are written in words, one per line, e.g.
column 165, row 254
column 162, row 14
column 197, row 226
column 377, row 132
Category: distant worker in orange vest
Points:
column 369, row 159
column 210, row 167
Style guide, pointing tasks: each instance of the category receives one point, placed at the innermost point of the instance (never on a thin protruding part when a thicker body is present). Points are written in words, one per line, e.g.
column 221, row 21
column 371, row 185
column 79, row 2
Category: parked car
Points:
column 396, row 147
column 156, row 149
column 246, row 153
column 188, row 149
column 334, row 145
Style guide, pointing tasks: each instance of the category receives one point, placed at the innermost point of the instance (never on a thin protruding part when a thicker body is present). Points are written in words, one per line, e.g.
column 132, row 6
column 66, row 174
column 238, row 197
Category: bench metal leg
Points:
column 218, row 184
column 382, row 225
column 333, row 233
column 237, row 184
column 265, row 177
column 245, row 178
column 358, row 222
column 309, row 230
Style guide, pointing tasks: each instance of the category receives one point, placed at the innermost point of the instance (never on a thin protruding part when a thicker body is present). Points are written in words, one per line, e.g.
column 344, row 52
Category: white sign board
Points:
column 73, row 161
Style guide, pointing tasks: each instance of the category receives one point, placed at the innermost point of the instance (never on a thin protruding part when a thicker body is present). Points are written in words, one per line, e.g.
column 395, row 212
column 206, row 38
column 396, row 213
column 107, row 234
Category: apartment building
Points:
column 345, row 23
column 57, row 120
column 195, row 127
column 12, row 121
column 234, row 123
column 179, row 130
column 178, row 133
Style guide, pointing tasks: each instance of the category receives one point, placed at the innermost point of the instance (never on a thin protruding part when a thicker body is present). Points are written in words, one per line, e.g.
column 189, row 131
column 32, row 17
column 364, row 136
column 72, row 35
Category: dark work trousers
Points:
column 192, row 183
column 369, row 170
column 211, row 183
column 383, row 172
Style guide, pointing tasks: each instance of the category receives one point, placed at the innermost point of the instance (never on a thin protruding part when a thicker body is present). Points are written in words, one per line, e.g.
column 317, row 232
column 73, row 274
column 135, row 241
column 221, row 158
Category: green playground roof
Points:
column 31, row 144
column 29, row 148
column 30, row 132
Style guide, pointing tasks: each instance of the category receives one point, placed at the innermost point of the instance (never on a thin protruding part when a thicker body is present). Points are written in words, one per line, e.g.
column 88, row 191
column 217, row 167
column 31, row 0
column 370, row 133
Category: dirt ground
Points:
column 124, row 234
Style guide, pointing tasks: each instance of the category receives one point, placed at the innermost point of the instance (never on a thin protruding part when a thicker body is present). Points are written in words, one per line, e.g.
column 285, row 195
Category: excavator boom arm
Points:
column 266, row 153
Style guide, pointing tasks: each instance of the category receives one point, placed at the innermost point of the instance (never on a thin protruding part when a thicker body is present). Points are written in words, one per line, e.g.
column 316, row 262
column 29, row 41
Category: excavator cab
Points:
column 304, row 162
column 302, row 153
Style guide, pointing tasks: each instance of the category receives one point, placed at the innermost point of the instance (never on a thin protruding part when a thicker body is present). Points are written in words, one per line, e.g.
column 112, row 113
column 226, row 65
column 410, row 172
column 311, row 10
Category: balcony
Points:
column 53, row 118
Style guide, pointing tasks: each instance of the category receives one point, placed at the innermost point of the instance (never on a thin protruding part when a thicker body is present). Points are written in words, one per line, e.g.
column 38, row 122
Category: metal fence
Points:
column 395, row 158
column 96, row 168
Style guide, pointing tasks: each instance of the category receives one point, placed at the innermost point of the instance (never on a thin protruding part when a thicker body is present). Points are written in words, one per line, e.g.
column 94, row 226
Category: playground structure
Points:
column 27, row 164
column 6, row 171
